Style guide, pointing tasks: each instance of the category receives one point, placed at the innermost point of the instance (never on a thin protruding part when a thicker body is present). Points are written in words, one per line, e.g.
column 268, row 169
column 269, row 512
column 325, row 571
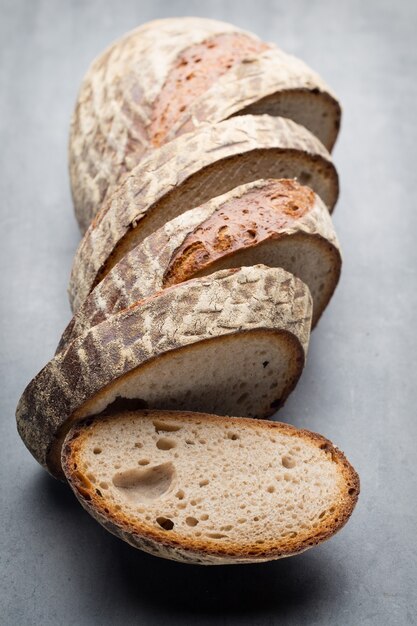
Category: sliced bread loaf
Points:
column 232, row 343
column 142, row 87
column 275, row 222
column 190, row 171
column 205, row 489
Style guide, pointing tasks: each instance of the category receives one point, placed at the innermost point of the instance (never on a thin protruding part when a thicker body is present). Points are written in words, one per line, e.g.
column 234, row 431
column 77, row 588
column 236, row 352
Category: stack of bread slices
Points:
column 203, row 185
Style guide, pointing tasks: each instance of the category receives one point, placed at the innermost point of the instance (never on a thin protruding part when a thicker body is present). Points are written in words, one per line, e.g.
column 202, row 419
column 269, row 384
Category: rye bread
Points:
column 204, row 489
column 278, row 223
column 140, row 93
column 234, row 342
column 190, row 171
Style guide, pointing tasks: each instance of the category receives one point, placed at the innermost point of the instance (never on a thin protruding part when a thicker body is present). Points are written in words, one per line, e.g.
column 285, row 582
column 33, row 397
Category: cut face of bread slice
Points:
column 190, row 171
column 161, row 80
column 234, row 342
column 278, row 223
column 205, row 489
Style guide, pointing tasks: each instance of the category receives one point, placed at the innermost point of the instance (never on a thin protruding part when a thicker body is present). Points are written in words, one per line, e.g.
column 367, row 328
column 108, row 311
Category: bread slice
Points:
column 232, row 343
column 140, row 90
column 190, row 171
column 275, row 222
column 271, row 82
column 205, row 489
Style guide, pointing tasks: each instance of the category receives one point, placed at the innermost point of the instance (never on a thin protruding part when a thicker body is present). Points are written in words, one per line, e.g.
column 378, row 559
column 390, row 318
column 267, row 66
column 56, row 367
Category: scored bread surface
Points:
column 142, row 90
column 190, row 171
column 205, row 489
column 246, row 327
column 273, row 222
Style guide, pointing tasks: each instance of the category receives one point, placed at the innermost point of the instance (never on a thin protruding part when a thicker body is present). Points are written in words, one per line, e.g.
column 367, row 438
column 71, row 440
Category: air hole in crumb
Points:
column 138, row 444
column 104, row 485
column 193, row 502
column 202, row 441
column 165, row 444
column 191, row 521
column 97, row 450
column 168, row 427
column 204, row 482
column 265, row 363
column 216, row 535
column 204, row 517
column 180, row 495
column 145, row 484
column 189, row 442
column 256, row 519
column 232, row 436
column 351, row 491
column 288, row 462
column 271, row 489
column 241, row 520
column 165, row 523
column 144, row 462
column 322, row 514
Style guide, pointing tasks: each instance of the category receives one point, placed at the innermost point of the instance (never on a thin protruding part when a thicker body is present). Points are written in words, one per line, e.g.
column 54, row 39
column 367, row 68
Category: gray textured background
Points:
column 359, row 386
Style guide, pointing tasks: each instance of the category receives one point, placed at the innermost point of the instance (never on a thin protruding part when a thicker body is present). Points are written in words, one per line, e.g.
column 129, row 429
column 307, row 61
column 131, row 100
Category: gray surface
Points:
column 59, row 566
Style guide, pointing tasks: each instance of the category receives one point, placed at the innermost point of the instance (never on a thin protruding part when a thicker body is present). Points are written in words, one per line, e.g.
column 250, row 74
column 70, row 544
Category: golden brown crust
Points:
column 175, row 546
column 260, row 214
column 195, row 69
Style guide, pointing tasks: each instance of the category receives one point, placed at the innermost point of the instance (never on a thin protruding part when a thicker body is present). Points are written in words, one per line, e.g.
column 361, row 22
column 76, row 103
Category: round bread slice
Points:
column 232, row 343
column 145, row 84
column 204, row 489
column 278, row 223
column 190, row 171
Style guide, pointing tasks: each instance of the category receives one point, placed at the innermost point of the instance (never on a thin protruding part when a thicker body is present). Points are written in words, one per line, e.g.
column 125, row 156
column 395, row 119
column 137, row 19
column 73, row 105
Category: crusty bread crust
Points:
column 191, row 244
column 114, row 118
column 198, row 550
column 228, row 302
column 189, row 171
